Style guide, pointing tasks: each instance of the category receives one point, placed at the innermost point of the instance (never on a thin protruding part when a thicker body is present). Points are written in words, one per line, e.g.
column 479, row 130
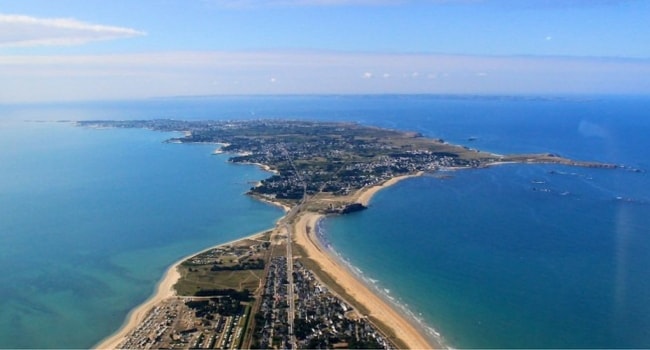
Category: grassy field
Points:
column 202, row 278
column 238, row 266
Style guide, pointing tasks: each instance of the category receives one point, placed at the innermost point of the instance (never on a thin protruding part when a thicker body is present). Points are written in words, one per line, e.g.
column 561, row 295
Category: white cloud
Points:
column 19, row 30
column 76, row 77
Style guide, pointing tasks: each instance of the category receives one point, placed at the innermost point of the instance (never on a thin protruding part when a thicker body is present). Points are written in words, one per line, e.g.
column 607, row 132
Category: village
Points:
column 321, row 319
column 318, row 157
column 215, row 309
column 335, row 158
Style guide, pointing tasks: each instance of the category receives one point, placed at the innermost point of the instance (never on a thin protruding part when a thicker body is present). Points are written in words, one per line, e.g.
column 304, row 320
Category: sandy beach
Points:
column 377, row 307
column 364, row 195
column 266, row 168
column 274, row 203
column 164, row 290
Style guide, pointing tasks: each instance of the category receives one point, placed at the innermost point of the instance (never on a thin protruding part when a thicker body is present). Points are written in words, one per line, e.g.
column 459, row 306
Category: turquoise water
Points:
column 90, row 219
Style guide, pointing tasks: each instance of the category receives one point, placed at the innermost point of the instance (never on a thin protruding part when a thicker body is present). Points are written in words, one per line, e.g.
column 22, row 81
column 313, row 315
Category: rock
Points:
column 354, row 207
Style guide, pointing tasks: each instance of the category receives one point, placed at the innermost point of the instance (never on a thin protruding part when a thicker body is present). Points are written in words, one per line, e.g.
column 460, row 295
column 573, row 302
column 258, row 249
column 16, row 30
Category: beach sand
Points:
column 164, row 290
column 274, row 203
column 362, row 294
column 364, row 195
column 378, row 307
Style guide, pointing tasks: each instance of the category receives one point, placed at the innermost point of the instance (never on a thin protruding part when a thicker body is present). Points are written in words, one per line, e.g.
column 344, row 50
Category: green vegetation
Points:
column 251, row 264
column 239, row 266
column 204, row 279
column 324, row 157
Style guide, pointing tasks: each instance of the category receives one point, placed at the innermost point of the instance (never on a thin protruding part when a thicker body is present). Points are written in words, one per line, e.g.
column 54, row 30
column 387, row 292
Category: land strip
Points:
column 271, row 291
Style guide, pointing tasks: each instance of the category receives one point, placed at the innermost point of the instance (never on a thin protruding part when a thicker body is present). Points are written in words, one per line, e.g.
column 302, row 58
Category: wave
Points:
column 375, row 285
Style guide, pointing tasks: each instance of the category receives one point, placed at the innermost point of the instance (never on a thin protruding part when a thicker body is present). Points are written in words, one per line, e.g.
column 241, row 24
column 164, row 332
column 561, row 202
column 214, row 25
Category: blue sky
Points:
column 98, row 49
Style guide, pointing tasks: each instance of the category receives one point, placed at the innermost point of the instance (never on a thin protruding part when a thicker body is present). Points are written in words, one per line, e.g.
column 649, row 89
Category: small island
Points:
column 284, row 288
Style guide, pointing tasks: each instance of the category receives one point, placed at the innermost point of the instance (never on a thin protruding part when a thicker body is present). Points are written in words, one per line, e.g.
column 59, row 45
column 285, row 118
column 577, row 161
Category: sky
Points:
column 68, row 50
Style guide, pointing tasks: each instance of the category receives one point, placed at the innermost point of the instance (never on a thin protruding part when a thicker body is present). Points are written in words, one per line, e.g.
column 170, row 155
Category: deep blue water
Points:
column 89, row 219
column 520, row 256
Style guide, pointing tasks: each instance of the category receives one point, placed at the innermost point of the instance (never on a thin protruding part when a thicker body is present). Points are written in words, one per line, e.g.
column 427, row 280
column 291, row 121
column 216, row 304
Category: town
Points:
column 310, row 157
column 214, row 309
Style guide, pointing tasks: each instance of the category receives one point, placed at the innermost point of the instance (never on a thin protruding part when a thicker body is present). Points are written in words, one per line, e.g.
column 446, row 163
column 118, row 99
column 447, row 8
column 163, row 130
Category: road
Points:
column 288, row 221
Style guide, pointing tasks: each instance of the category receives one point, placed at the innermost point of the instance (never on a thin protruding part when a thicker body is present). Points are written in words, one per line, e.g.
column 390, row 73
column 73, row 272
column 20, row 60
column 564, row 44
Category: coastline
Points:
column 364, row 195
column 164, row 290
column 379, row 308
column 219, row 149
column 402, row 325
column 273, row 203
column 400, row 321
column 430, row 333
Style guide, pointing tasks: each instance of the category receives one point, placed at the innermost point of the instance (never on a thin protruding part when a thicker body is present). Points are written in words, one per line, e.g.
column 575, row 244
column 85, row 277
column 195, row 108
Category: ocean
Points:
column 91, row 219
column 514, row 256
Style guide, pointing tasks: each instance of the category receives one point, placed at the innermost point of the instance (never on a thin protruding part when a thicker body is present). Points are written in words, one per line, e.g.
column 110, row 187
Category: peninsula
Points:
column 313, row 159
column 284, row 288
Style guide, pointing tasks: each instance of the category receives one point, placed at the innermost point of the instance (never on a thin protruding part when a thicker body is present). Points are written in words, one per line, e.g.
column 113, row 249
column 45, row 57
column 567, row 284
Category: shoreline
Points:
column 273, row 203
column 402, row 322
column 385, row 312
column 219, row 149
column 364, row 195
column 430, row 333
column 164, row 290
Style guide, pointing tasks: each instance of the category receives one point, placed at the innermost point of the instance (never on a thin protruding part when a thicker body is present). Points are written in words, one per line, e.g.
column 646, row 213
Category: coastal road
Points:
column 290, row 296
column 288, row 221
